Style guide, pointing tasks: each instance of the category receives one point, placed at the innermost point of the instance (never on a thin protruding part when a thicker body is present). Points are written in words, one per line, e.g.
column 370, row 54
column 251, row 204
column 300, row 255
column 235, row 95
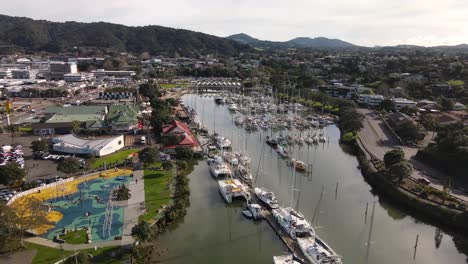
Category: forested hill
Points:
column 41, row 35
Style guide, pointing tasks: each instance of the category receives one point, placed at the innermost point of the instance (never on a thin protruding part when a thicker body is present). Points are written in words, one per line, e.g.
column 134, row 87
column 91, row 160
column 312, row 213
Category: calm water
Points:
column 213, row 232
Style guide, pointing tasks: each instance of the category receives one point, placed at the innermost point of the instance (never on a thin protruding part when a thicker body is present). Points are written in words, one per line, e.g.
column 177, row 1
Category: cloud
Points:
column 364, row 22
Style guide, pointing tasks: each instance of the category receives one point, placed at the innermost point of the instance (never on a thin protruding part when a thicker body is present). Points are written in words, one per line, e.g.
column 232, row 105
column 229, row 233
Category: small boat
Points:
column 271, row 141
column 255, row 210
column 299, row 165
column 284, row 259
column 238, row 121
column 247, row 214
column 309, row 140
column 230, row 158
column 267, row 197
column 322, row 138
column 282, row 151
column 233, row 107
column 219, row 100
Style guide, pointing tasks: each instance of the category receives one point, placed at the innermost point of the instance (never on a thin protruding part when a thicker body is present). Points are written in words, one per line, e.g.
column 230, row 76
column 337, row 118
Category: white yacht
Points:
column 232, row 188
column 218, row 168
column 322, row 138
column 230, row 158
column 232, row 107
column 223, row 143
column 284, row 259
column 239, row 121
column 293, row 222
column 267, row 197
column 243, row 173
column 317, row 251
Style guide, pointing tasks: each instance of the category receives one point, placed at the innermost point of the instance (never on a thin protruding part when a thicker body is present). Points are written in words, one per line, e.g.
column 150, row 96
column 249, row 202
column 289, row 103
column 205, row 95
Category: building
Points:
column 71, row 144
column 339, row 90
column 403, row 102
column 185, row 137
column 116, row 95
column 60, row 120
column 21, row 74
column 5, row 74
column 58, row 69
column 123, row 119
column 77, row 77
column 370, row 100
column 102, row 73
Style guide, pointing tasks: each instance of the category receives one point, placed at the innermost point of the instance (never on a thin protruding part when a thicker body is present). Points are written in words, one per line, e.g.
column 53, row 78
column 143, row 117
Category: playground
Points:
column 83, row 203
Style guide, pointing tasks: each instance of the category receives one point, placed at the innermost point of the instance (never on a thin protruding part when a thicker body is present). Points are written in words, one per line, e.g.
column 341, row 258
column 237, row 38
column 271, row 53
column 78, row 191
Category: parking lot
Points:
column 35, row 169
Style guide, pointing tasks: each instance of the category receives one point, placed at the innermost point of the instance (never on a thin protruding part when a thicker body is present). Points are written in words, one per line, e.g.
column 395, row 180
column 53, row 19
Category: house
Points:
column 370, row 100
column 184, row 136
column 403, row 102
column 397, row 119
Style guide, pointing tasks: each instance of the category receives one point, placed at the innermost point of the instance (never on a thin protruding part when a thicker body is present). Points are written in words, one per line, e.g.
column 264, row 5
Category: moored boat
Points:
column 267, row 197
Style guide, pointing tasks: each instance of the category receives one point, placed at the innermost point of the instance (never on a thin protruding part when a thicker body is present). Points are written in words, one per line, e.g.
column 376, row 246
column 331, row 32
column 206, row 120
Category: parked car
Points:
column 424, row 181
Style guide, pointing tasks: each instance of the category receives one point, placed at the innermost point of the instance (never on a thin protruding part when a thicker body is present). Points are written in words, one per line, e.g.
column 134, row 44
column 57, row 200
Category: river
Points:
column 214, row 232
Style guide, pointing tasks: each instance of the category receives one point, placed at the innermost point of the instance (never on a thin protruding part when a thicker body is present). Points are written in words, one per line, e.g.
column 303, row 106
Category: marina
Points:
column 324, row 209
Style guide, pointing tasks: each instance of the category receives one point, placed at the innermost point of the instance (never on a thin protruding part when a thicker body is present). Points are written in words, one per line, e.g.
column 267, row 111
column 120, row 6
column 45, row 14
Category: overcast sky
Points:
column 362, row 22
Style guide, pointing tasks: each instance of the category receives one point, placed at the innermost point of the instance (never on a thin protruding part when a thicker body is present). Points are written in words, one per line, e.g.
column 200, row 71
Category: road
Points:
column 378, row 139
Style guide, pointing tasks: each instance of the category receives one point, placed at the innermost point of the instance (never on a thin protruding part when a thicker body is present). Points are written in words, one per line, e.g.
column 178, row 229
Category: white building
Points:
column 370, row 100
column 102, row 72
column 100, row 147
column 59, row 68
column 77, row 77
column 5, row 74
column 403, row 102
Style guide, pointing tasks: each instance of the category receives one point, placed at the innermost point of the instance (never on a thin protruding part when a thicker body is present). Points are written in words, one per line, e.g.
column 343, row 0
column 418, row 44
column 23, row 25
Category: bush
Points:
column 349, row 137
column 183, row 153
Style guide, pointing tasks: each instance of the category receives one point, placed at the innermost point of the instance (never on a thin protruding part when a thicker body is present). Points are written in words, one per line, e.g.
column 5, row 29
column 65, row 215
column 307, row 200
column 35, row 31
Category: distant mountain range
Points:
column 40, row 35
column 302, row 42
column 25, row 34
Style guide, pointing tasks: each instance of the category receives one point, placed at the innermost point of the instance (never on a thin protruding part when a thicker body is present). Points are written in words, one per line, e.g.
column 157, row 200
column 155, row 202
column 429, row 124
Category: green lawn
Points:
column 46, row 255
column 75, row 237
column 156, row 191
column 116, row 157
column 173, row 85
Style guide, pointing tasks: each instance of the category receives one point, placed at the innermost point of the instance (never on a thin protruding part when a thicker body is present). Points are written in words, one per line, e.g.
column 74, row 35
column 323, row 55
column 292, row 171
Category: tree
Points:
column 387, row 105
column 167, row 165
column 122, row 193
column 11, row 173
column 393, row 157
column 408, row 130
column 8, row 229
column 183, row 153
column 149, row 155
column 40, row 145
column 142, row 231
column 69, row 166
column 400, row 171
column 446, row 104
column 430, row 123
column 181, row 165
column 30, row 214
column 350, row 120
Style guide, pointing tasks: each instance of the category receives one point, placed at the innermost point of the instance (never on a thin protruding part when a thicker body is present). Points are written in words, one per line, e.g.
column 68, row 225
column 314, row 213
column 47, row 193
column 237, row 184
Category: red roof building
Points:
column 181, row 130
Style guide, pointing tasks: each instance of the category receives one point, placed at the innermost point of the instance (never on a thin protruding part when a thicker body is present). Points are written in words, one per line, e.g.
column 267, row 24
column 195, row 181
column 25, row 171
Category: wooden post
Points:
column 415, row 246
column 365, row 215
column 336, row 191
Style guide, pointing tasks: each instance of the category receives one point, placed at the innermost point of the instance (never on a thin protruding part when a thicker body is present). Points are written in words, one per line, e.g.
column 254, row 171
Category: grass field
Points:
column 75, row 237
column 173, row 85
column 47, row 255
column 116, row 157
column 156, row 191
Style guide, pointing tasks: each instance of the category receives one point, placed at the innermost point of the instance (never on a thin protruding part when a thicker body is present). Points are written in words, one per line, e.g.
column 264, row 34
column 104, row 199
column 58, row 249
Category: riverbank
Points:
column 449, row 218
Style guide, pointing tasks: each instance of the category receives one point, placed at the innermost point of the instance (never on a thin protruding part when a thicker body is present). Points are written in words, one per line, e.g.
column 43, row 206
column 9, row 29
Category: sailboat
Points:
column 267, row 197
column 317, row 251
column 232, row 188
column 218, row 168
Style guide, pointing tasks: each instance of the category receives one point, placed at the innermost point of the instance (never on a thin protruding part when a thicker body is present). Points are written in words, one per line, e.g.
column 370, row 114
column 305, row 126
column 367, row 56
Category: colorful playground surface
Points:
column 84, row 202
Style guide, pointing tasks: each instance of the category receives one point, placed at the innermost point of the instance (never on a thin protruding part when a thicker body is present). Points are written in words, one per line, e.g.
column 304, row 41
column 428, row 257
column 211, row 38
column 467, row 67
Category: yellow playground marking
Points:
column 65, row 189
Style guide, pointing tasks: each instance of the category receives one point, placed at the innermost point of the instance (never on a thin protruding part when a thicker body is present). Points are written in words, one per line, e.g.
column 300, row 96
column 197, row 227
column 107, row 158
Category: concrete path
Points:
column 136, row 204
column 50, row 243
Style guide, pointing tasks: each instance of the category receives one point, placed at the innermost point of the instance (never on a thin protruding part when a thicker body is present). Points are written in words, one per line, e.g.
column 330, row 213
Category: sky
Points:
column 361, row 22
